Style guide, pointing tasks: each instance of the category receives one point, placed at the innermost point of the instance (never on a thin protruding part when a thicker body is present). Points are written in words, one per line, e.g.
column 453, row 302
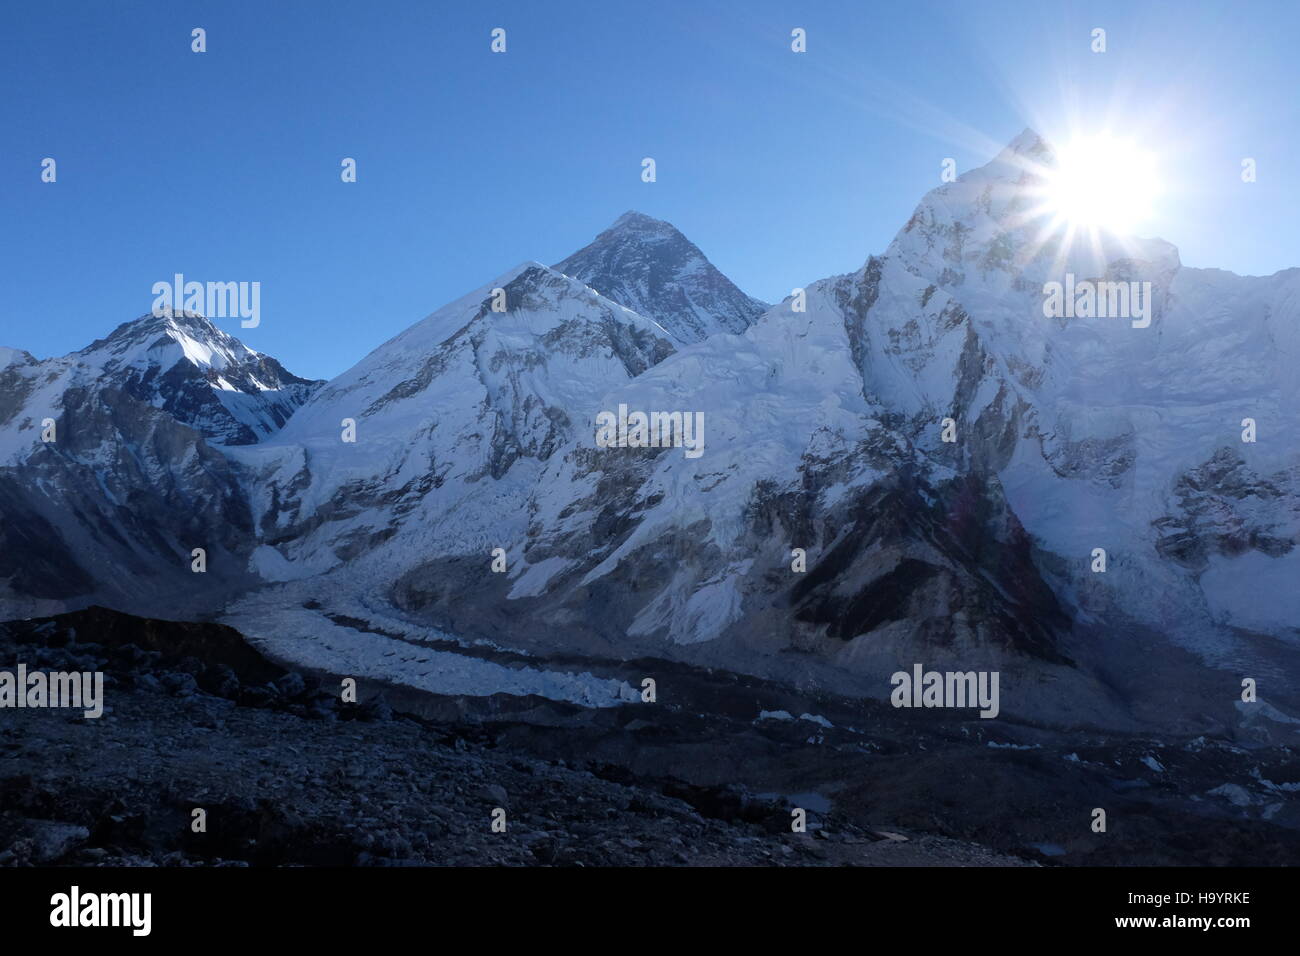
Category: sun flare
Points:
column 1103, row 183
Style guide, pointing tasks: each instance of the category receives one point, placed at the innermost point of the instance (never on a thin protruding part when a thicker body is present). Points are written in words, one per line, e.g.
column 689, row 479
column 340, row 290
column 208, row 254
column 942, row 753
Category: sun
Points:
column 1102, row 183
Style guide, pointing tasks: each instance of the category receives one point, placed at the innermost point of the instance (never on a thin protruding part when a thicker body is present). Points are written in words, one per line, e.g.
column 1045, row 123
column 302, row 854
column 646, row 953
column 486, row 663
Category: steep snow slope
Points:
column 455, row 420
column 1098, row 428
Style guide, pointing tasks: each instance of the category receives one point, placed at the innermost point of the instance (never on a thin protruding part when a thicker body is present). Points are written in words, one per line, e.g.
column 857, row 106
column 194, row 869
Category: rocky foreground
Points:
column 289, row 775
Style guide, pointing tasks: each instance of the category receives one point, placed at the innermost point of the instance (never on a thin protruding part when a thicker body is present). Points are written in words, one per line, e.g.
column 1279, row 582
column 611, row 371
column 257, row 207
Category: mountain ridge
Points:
column 824, row 434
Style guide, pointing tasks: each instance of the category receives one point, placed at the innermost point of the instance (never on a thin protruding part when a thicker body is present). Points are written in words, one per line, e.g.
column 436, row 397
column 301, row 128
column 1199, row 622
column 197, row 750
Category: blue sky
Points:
column 782, row 167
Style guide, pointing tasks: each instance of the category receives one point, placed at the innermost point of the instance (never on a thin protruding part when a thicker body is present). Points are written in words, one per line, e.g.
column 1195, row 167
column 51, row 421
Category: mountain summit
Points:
column 182, row 363
column 648, row 266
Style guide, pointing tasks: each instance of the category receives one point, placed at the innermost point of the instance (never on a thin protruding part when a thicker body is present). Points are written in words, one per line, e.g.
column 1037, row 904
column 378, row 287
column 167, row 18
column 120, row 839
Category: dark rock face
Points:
column 33, row 557
column 650, row 267
column 117, row 505
column 971, row 530
column 1224, row 507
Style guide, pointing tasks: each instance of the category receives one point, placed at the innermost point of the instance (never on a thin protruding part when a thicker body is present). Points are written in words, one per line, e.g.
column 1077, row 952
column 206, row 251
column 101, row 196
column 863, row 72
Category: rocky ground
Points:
column 288, row 775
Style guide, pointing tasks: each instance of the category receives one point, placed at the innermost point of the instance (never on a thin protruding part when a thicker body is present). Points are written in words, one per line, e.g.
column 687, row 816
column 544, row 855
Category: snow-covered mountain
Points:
column 912, row 465
column 476, row 431
column 456, row 421
column 179, row 362
column 1107, row 434
column 182, row 363
column 111, row 508
column 650, row 267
